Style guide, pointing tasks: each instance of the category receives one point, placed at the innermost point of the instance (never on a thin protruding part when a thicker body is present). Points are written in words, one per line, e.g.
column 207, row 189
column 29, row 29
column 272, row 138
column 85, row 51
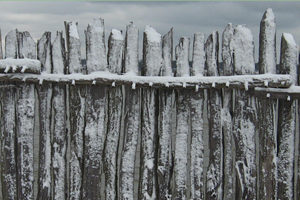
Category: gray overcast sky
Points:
column 186, row 17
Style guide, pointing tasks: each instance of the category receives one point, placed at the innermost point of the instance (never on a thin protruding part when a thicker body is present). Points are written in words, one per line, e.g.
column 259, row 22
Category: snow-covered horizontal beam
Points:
column 279, row 93
column 11, row 65
column 239, row 81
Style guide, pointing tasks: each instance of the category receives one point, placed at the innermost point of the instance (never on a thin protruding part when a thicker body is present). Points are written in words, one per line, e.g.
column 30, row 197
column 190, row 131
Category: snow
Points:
column 152, row 34
column 73, row 30
column 20, row 65
column 289, row 38
column 117, row 35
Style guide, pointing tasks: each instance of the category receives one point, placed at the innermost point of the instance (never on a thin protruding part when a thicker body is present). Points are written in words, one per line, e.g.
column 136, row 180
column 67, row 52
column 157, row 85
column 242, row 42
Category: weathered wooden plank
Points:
column 1, row 51
column 182, row 122
column 8, row 146
column 197, row 128
column 115, row 101
column 287, row 121
column 59, row 133
column 45, row 96
column 245, row 125
column 214, row 174
column 131, row 116
column 267, row 109
column 11, row 44
column 25, row 123
column 166, row 104
column 77, row 111
column 152, row 58
column 96, row 112
column 229, row 173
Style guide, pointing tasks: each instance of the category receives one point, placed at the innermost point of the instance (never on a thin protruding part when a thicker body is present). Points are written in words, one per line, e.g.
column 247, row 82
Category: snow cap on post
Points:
column 73, row 46
column 27, row 46
column 152, row 52
column 198, row 55
column 288, row 56
column 212, row 52
column 95, row 46
column 43, row 52
column 167, row 54
column 243, row 46
column 131, row 65
column 182, row 57
column 58, row 54
column 11, row 44
column 115, row 51
column 267, row 43
column 227, row 51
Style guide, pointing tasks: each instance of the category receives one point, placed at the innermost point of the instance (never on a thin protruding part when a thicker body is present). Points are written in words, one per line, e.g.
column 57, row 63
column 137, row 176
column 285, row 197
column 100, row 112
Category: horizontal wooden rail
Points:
column 239, row 81
column 279, row 93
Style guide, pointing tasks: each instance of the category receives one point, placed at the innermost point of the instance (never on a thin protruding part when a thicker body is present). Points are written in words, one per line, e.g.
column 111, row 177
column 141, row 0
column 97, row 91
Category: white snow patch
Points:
column 117, row 35
column 152, row 34
column 73, row 30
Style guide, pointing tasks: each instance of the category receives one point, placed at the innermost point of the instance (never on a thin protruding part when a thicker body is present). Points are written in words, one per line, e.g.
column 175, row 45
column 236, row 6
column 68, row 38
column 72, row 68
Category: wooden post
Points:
column 25, row 123
column 182, row 122
column 96, row 112
column 214, row 174
column 11, row 44
column 287, row 121
column 132, row 116
column 58, row 132
column 166, row 104
column 267, row 109
column 152, row 58
column 45, row 96
column 1, row 51
column 244, row 116
column 115, row 100
column 8, row 129
column 229, row 172
column 197, row 112
column 77, row 113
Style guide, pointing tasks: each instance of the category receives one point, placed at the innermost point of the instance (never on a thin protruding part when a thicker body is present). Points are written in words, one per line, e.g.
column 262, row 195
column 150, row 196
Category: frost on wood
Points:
column 45, row 179
column 25, row 129
column 11, row 44
column 59, row 142
column 73, row 47
column 198, row 55
column 267, row 43
column 95, row 46
column 287, row 122
column 11, row 65
column 182, row 57
column 115, row 99
column 267, row 109
column 152, row 52
column 27, row 46
column 1, row 51
column 115, row 51
column 197, row 144
column 58, row 54
column 152, row 58
column 245, row 117
column 131, row 131
column 77, row 115
column 226, row 116
column 182, row 122
column 215, row 165
column 289, row 56
column 166, row 104
column 167, row 54
column 211, row 50
column 112, row 141
column 94, row 135
column 44, row 52
column 243, row 47
column 8, row 138
column 131, row 50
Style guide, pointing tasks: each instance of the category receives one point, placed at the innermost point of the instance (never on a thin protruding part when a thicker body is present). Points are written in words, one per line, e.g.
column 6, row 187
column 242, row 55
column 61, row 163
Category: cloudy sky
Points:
column 185, row 17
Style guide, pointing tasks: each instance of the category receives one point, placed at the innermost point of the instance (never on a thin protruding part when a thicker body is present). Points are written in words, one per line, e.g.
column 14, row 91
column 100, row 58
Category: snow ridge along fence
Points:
column 114, row 130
